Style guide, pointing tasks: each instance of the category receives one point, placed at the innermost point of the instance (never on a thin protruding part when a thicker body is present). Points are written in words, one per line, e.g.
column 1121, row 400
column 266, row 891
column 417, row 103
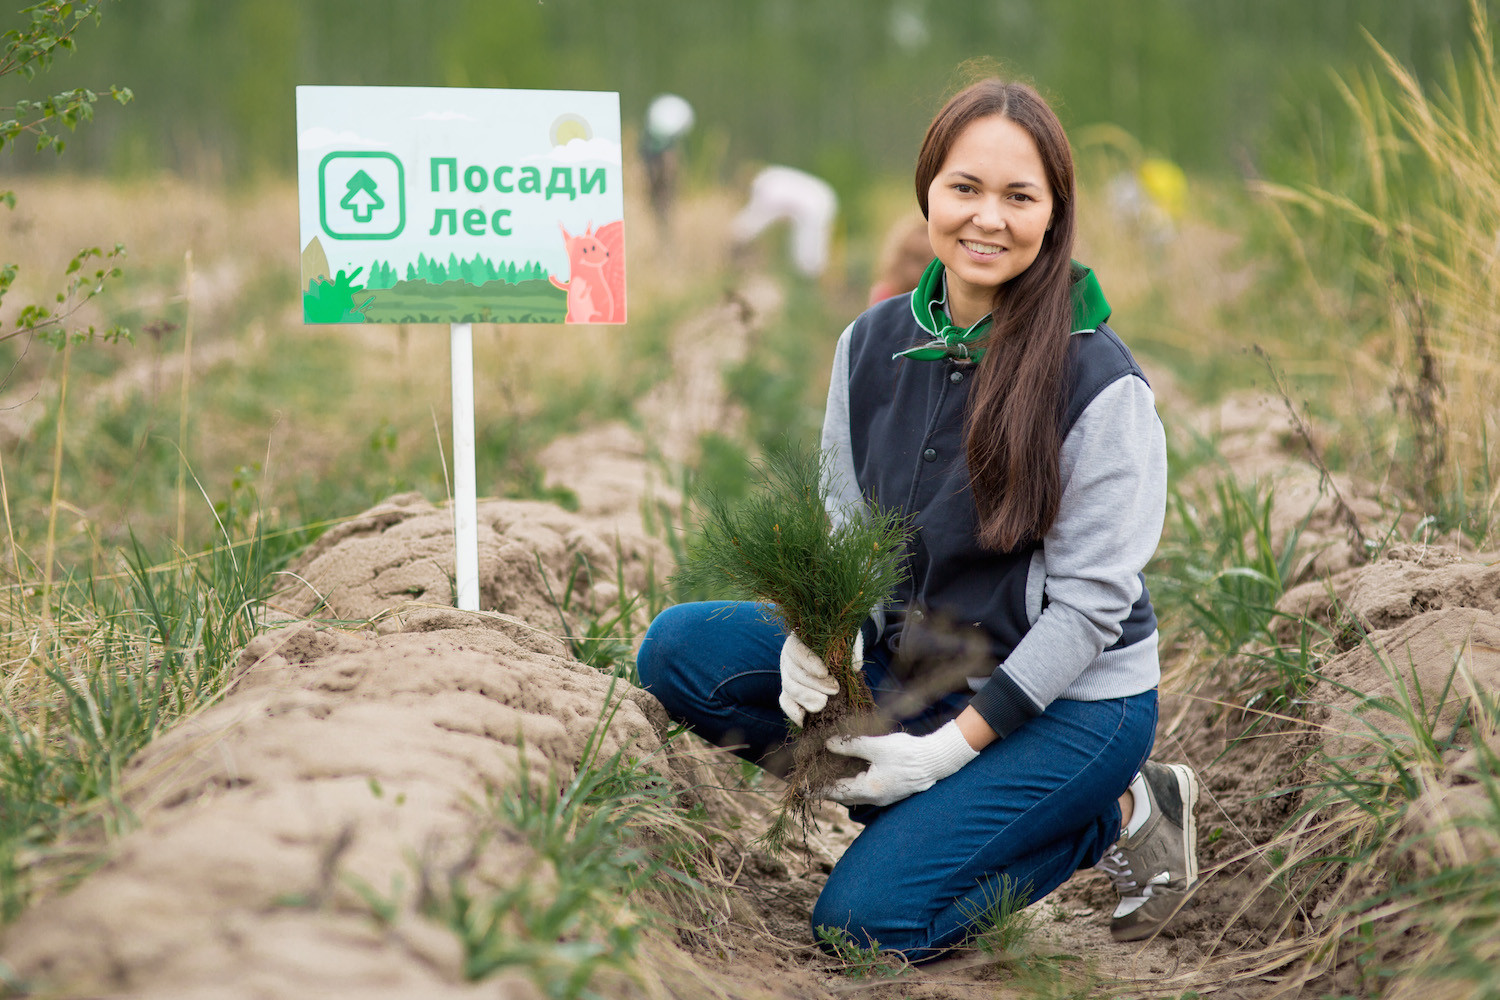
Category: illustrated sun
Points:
column 568, row 127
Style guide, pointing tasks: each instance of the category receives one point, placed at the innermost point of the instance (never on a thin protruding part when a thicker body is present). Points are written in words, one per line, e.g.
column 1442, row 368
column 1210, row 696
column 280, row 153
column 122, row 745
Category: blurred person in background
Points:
column 669, row 119
column 903, row 258
column 1152, row 199
column 808, row 203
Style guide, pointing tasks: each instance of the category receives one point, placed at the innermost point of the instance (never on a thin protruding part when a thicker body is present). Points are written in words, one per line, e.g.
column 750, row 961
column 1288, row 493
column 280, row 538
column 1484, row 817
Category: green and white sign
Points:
column 453, row 205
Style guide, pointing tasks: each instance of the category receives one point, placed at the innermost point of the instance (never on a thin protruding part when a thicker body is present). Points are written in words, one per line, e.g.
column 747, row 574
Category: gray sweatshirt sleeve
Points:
column 844, row 499
column 843, row 493
column 1114, row 478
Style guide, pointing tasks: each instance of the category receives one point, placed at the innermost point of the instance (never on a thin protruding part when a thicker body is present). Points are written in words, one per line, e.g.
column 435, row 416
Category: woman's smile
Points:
column 982, row 251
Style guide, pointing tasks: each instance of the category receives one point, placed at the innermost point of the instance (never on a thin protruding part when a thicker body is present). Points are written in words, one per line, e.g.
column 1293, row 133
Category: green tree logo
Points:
column 362, row 200
column 365, row 193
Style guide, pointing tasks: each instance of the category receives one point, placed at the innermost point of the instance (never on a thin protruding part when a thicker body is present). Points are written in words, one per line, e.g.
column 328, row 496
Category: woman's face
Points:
column 987, row 210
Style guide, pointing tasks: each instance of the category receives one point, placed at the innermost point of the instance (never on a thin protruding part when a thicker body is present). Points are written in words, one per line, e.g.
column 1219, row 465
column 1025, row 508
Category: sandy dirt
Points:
column 537, row 562
column 369, row 719
column 336, row 755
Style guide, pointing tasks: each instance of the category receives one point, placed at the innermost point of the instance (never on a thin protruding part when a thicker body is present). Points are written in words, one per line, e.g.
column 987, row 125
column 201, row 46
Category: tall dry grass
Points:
column 1403, row 239
column 1384, row 880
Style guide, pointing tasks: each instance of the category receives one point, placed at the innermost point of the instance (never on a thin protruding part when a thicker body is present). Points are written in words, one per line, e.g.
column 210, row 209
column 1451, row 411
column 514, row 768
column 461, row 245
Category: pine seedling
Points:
column 999, row 921
column 858, row 961
column 778, row 546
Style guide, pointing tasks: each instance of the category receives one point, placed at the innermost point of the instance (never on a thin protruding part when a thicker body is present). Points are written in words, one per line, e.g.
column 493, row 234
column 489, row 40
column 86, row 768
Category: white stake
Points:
column 465, row 504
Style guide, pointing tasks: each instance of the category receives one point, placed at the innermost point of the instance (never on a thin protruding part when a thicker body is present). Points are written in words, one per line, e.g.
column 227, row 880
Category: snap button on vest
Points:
column 956, row 377
column 929, row 455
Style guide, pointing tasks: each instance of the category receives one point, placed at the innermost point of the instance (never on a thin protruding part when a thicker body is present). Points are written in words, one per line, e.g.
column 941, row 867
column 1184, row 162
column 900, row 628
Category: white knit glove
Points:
column 806, row 684
column 900, row 764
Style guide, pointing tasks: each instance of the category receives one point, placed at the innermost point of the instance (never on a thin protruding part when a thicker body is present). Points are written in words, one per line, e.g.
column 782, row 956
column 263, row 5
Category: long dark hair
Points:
column 1014, row 431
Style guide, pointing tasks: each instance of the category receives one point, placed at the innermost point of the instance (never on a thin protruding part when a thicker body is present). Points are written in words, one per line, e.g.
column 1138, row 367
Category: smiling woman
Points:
column 1009, row 135
column 1011, row 428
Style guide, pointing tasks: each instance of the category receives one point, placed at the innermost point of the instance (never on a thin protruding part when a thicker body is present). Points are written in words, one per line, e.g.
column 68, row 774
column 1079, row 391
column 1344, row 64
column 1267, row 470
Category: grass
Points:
column 605, row 638
column 1215, row 581
column 115, row 661
column 859, row 961
column 1387, row 884
column 616, row 862
column 779, row 390
column 1397, row 245
column 566, row 926
column 1003, row 923
column 1383, row 879
column 1221, row 570
column 778, row 387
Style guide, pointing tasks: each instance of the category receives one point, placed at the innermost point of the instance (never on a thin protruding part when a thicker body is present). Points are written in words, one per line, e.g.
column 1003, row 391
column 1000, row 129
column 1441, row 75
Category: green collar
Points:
column 927, row 306
column 1090, row 310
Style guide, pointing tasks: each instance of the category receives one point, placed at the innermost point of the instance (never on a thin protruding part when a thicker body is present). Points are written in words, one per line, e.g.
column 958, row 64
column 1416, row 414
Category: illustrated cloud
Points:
column 580, row 151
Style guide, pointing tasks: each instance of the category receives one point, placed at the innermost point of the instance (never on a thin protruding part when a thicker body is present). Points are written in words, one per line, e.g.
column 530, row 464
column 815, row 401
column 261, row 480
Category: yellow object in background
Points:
column 1165, row 184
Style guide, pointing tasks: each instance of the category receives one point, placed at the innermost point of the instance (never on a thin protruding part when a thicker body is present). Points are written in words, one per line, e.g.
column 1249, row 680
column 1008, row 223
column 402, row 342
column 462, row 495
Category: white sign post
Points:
column 460, row 206
column 465, row 500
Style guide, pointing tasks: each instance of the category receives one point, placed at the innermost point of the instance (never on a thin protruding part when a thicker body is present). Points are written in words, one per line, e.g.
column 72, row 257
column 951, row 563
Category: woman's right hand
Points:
column 806, row 684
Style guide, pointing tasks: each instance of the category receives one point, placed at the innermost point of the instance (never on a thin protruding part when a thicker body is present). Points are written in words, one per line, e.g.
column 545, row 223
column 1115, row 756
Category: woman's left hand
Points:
column 900, row 764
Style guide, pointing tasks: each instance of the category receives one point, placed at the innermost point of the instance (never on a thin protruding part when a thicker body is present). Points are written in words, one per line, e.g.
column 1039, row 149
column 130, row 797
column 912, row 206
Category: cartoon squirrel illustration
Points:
column 596, row 274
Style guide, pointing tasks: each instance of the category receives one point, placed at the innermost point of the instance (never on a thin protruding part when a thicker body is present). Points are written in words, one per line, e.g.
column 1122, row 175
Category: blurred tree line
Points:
column 842, row 87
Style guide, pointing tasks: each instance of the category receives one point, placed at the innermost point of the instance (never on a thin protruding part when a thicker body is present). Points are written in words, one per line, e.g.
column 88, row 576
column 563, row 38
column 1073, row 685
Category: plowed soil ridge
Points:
column 367, row 720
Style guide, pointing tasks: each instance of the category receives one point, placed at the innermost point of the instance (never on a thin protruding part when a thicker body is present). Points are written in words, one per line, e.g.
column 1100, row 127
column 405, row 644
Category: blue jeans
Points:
column 1030, row 810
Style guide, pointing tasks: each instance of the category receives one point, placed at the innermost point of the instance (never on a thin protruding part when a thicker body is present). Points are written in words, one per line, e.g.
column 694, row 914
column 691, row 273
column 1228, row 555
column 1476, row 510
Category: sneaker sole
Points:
column 1187, row 787
column 1143, row 930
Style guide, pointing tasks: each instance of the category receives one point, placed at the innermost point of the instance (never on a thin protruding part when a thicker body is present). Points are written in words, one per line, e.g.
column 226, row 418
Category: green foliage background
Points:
column 843, row 87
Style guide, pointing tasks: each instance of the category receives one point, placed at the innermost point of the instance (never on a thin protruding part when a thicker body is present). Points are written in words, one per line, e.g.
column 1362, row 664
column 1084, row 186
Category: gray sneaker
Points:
column 1156, row 870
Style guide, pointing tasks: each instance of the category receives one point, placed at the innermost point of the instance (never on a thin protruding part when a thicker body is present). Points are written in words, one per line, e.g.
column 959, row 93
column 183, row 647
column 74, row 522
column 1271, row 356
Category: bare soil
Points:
column 369, row 717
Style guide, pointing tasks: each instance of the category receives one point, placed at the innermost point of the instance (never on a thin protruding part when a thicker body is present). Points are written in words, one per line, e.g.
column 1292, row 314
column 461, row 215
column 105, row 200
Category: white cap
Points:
column 669, row 117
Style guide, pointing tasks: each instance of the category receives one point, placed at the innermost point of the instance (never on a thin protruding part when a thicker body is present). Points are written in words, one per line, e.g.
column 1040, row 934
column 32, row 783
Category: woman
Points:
column 995, row 409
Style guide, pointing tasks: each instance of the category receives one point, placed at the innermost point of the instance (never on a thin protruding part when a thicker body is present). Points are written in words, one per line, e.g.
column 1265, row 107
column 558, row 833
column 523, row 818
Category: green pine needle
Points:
column 777, row 546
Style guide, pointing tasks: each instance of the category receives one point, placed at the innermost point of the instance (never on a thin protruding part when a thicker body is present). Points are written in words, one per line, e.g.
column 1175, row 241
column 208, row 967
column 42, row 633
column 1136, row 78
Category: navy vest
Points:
column 906, row 423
